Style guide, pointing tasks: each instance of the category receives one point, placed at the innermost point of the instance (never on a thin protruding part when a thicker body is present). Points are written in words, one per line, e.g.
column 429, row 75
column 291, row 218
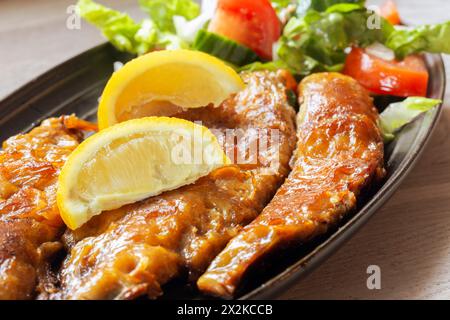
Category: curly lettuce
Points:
column 157, row 32
column 189, row 29
column 318, row 36
column 428, row 38
column 119, row 28
column 162, row 12
column 322, row 5
column 318, row 41
column 281, row 5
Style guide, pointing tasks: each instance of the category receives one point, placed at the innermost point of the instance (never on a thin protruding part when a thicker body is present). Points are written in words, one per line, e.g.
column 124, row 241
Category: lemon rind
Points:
column 229, row 79
column 73, row 218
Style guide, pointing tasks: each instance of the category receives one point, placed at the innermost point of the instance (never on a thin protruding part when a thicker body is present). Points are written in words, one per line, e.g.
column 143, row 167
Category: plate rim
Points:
column 302, row 267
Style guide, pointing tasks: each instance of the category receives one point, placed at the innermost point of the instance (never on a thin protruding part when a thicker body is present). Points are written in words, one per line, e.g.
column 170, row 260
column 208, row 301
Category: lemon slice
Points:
column 133, row 161
column 162, row 83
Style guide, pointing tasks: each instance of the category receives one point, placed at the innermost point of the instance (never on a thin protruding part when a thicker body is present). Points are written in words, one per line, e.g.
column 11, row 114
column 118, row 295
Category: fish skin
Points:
column 30, row 225
column 340, row 152
column 134, row 251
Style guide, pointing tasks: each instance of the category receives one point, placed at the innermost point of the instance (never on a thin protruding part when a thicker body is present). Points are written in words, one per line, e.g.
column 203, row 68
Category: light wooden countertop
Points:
column 409, row 238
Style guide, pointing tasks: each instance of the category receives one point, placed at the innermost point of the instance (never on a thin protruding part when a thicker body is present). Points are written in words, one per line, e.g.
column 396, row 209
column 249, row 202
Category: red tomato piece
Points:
column 252, row 23
column 398, row 78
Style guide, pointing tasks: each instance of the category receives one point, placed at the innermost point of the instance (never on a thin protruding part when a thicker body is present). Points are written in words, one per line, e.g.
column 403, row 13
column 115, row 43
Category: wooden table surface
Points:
column 409, row 239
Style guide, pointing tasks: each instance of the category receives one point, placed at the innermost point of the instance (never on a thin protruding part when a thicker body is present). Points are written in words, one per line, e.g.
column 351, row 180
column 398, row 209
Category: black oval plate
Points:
column 76, row 85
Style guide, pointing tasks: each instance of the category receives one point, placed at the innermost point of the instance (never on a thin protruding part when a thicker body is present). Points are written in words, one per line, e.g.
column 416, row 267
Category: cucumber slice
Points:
column 224, row 48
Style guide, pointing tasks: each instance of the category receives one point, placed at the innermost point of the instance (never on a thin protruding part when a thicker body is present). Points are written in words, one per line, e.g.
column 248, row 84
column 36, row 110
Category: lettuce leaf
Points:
column 428, row 38
column 162, row 12
column 322, row 5
column 188, row 29
column 285, row 9
column 281, row 4
column 137, row 38
column 318, row 40
column 270, row 66
column 116, row 26
column 400, row 114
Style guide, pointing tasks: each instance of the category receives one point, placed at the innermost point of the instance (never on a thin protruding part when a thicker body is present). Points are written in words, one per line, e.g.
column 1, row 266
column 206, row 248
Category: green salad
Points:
column 302, row 36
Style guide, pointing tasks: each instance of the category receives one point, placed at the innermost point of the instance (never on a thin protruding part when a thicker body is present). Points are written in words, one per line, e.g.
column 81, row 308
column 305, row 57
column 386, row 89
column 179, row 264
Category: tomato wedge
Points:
column 389, row 11
column 398, row 78
column 253, row 23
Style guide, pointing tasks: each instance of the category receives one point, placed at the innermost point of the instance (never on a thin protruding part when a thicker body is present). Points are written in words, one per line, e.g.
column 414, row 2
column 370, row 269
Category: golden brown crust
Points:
column 29, row 217
column 340, row 150
column 135, row 250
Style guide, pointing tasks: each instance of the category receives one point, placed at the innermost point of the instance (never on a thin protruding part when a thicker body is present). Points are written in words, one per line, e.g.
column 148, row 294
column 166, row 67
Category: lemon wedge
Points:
column 162, row 83
column 132, row 161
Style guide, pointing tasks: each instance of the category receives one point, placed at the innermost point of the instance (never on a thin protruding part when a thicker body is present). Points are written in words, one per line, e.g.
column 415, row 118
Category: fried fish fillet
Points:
column 30, row 224
column 340, row 151
column 135, row 250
